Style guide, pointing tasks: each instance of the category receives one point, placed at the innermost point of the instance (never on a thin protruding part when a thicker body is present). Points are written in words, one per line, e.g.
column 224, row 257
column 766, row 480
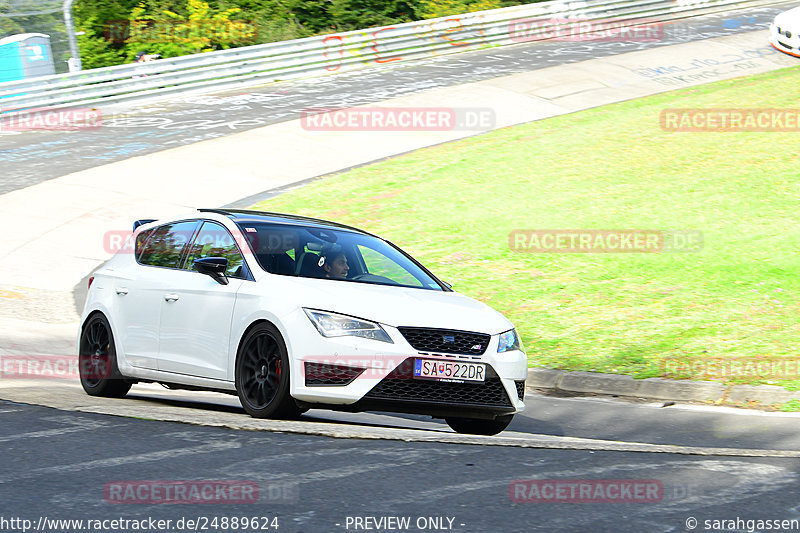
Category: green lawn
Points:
column 453, row 206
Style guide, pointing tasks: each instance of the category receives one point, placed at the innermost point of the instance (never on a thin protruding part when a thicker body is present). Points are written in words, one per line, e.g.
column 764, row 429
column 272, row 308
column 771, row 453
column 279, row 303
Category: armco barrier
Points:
column 368, row 48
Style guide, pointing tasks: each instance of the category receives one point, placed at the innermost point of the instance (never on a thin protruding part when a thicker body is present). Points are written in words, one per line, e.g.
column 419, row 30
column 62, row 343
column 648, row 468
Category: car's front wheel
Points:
column 97, row 361
column 478, row 426
column 262, row 374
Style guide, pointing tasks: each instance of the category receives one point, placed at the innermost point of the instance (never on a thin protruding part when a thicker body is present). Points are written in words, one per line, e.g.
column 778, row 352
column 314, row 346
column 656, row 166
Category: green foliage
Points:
column 453, row 206
column 356, row 14
column 48, row 23
column 195, row 28
column 8, row 25
column 791, row 406
column 96, row 50
column 117, row 29
column 314, row 15
column 429, row 9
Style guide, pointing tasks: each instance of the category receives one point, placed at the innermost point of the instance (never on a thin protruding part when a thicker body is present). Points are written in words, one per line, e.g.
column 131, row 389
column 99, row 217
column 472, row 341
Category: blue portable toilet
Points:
column 26, row 55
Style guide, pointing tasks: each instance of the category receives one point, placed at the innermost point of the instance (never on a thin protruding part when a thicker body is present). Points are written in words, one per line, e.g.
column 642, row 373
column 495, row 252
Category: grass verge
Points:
column 453, row 207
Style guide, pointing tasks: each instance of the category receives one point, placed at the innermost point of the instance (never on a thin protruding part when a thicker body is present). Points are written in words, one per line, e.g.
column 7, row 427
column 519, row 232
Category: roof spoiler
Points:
column 142, row 222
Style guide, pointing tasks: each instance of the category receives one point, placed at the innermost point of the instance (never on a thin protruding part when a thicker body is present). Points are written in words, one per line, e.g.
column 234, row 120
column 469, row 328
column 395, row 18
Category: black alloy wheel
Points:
column 97, row 360
column 262, row 374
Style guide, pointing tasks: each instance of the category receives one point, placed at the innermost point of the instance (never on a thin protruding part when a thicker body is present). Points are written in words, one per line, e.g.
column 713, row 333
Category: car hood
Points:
column 788, row 17
column 398, row 306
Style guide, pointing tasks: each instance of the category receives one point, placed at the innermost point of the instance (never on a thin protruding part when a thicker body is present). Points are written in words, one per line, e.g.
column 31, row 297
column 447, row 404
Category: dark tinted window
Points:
column 332, row 254
column 167, row 243
column 141, row 239
column 213, row 240
column 275, row 247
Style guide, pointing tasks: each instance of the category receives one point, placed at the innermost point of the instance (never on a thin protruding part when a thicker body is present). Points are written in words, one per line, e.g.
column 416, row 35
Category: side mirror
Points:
column 214, row 267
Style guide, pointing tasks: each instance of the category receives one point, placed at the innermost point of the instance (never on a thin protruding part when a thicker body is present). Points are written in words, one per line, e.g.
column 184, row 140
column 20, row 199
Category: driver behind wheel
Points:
column 333, row 261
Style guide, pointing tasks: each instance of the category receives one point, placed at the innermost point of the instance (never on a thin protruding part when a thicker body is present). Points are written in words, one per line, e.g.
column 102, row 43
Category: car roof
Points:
column 247, row 215
column 791, row 15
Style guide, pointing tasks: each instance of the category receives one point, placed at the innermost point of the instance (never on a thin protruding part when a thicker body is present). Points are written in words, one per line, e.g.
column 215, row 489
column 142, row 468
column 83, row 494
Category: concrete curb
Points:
column 70, row 397
column 656, row 388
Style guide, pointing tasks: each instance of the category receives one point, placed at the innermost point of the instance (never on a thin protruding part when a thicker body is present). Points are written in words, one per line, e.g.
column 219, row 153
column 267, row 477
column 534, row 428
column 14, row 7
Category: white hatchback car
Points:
column 293, row 313
column 784, row 32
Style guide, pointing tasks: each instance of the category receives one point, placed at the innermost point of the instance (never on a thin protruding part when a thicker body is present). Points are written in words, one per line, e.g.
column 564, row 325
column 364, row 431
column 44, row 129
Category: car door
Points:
column 139, row 295
column 196, row 315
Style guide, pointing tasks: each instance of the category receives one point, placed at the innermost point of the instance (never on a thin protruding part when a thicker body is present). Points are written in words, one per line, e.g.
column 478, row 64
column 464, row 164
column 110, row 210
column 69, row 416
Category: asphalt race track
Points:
column 31, row 157
column 67, row 456
column 64, row 466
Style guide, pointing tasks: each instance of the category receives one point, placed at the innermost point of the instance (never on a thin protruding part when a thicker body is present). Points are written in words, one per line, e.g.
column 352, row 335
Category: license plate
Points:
column 449, row 370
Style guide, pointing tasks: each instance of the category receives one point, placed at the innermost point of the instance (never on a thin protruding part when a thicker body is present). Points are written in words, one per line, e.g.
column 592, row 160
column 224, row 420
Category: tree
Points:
column 313, row 15
column 8, row 24
column 357, row 14
column 429, row 9
column 97, row 51
column 200, row 28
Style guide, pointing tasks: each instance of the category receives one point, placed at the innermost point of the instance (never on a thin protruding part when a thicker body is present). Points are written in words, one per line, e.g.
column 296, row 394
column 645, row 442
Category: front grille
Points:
column 446, row 340
column 318, row 374
column 400, row 385
column 520, row 389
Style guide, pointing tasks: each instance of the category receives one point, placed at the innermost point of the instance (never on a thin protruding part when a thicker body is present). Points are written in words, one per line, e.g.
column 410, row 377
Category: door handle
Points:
column 171, row 297
column 122, row 291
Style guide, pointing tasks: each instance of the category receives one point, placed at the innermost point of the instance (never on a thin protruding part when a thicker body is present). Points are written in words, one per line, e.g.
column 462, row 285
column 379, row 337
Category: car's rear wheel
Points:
column 262, row 374
column 97, row 361
column 478, row 426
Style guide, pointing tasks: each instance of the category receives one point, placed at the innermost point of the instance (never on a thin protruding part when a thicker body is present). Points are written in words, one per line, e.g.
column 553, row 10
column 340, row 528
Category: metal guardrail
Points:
column 368, row 48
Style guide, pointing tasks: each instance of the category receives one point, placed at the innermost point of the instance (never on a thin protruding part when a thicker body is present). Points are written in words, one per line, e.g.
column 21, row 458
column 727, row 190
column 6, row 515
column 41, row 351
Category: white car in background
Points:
column 293, row 313
column 784, row 32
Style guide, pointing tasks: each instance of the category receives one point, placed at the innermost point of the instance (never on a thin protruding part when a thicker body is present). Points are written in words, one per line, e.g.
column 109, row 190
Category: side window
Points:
column 214, row 240
column 274, row 248
column 167, row 244
column 141, row 239
column 380, row 265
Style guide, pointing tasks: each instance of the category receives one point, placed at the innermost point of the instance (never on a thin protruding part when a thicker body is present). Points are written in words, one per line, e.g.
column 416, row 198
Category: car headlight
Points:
column 509, row 341
column 335, row 325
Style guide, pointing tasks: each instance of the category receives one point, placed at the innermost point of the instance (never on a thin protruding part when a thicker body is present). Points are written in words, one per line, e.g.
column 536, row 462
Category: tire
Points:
column 262, row 374
column 97, row 360
column 478, row 426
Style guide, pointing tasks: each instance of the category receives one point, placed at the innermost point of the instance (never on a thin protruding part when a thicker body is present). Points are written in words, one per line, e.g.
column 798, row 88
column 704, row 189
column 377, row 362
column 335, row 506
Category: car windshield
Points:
column 324, row 253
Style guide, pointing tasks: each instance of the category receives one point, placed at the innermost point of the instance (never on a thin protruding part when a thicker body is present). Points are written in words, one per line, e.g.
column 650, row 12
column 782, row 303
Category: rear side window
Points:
column 274, row 247
column 141, row 240
column 214, row 240
column 167, row 243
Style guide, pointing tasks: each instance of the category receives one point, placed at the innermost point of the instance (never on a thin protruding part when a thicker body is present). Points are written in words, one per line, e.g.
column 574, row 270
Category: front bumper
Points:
column 787, row 44
column 358, row 375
